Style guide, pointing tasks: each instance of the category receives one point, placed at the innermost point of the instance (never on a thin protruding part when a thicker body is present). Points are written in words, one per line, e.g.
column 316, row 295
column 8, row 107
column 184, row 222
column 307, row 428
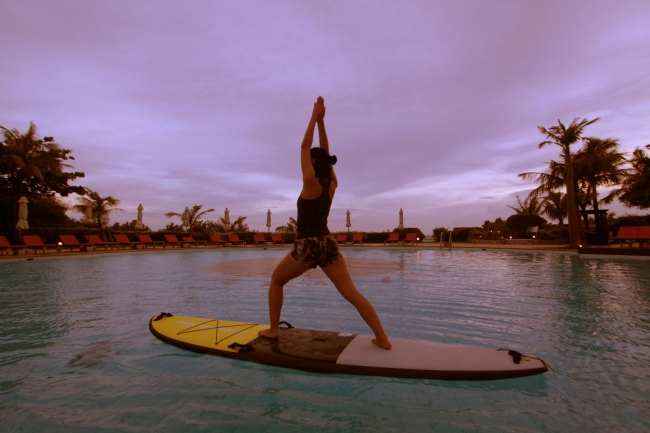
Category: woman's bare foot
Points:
column 267, row 333
column 384, row 344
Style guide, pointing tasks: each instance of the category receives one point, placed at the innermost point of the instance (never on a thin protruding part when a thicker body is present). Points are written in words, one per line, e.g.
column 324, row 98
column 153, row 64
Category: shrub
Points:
column 441, row 231
column 462, row 234
column 553, row 233
column 517, row 225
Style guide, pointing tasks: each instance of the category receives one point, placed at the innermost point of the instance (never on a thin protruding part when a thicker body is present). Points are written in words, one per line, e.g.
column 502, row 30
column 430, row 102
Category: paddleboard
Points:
column 342, row 352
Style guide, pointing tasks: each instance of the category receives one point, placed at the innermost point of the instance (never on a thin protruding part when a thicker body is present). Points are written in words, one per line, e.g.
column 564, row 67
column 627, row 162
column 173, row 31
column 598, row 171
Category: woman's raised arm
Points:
column 308, row 173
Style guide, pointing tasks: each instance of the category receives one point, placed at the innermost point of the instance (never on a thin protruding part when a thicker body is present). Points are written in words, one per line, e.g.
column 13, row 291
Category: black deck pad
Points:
column 305, row 349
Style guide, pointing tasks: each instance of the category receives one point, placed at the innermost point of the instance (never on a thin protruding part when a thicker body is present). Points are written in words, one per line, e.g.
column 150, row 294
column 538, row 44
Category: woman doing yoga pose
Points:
column 314, row 245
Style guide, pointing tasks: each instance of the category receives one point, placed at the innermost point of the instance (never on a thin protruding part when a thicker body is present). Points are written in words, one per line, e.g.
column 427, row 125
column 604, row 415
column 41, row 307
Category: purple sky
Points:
column 432, row 106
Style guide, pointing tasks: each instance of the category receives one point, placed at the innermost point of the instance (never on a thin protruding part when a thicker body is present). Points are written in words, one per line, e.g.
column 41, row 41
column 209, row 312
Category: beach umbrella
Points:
column 268, row 219
column 22, row 214
column 348, row 224
column 186, row 217
column 226, row 219
column 401, row 220
column 138, row 224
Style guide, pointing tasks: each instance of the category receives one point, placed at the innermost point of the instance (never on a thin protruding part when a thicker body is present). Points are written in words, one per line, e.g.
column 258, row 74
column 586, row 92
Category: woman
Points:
column 314, row 245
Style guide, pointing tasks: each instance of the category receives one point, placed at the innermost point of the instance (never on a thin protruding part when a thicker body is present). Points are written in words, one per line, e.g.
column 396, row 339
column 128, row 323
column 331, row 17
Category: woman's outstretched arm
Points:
column 322, row 134
column 324, row 143
column 308, row 173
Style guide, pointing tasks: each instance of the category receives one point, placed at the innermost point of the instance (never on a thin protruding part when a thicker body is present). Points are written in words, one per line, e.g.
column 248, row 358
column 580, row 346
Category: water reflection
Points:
column 73, row 340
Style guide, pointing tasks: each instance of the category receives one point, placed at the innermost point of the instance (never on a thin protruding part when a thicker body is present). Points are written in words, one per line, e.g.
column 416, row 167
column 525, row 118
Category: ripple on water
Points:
column 75, row 351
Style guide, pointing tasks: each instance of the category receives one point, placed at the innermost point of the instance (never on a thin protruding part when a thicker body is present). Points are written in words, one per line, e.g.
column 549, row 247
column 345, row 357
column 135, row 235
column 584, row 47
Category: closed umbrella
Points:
column 22, row 214
column 268, row 219
column 138, row 224
column 186, row 217
column 89, row 214
column 348, row 224
column 401, row 219
column 226, row 219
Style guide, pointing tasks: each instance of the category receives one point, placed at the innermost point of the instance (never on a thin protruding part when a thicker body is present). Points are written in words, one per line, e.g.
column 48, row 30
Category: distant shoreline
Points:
column 616, row 252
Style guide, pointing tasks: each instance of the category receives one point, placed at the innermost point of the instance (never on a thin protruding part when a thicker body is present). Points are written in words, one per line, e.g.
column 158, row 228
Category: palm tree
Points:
column 599, row 164
column 564, row 137
column 33, row 167
column 550, row 181
column 193, row 216
column 531, row 205
column 291, row 227
column 636, row 187
column 237, row 225
column 102, row 207
column 555, row 206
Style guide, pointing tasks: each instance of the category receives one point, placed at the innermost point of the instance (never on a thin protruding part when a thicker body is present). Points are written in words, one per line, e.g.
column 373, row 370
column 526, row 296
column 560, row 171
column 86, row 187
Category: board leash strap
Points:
column 162, row 315
column 516, row 358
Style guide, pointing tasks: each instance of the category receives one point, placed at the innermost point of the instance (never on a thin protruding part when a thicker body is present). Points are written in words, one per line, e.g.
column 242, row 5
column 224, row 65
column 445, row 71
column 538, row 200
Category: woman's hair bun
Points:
column 333, row 159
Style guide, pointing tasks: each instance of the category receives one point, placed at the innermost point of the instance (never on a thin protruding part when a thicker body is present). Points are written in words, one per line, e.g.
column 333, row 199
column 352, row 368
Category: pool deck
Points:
column 616, row 251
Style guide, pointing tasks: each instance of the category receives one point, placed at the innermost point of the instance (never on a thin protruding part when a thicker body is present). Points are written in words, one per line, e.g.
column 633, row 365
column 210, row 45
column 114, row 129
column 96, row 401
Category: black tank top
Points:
column 312, row 215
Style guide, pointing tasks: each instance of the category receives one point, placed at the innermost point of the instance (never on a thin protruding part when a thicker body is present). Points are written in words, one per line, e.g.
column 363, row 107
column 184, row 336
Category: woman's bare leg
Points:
column 339, row 275
column 287, row 270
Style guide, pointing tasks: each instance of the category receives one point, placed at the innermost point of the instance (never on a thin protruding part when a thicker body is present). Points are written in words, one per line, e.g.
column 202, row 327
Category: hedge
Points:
column 517, row 225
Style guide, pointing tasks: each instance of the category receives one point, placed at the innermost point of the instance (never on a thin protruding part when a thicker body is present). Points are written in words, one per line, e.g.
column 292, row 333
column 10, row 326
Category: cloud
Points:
column 432, row 107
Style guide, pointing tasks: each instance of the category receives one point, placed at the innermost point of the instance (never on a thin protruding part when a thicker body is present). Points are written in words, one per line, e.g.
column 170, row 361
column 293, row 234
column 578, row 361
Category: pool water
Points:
column 76, row 353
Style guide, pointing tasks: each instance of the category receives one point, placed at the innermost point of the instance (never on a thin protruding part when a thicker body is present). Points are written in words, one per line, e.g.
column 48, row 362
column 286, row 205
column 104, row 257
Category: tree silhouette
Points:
column 564, row 137
column 636, row 187
column 193, row 216
column 531, row 206
column 34, row 167
column 291, row 227
column 599, row 164
column 554, row 206
column 102, row 207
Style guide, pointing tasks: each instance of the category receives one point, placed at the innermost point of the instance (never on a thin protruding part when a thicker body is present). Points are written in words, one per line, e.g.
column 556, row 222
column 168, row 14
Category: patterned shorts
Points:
column 322, row 251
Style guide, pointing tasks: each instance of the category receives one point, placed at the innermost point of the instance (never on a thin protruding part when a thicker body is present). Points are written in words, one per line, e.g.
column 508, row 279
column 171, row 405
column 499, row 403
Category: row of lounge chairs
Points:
column 276, row 238
column 70, row 242
column 393, row 239
column 631, row 235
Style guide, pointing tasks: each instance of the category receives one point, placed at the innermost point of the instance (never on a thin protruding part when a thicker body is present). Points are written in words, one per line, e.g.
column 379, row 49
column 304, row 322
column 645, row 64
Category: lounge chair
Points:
column 147, row 241
column 5, row 246
column 234, row 239
column 276, row 238
column 34, row 242
column 124, row 241
column 70, row 242
column 341, row 239
column 393, row 238
column 217, row 240
column 190, row 240
column 357, row 238
column 95, row 241
column 644, row 234
column 259, row 239
column 173, row 241
column 626, row 235
column 411, row 237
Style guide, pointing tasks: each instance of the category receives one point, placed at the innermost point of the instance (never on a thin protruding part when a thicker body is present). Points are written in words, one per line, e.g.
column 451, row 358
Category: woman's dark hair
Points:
column 323, row 161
